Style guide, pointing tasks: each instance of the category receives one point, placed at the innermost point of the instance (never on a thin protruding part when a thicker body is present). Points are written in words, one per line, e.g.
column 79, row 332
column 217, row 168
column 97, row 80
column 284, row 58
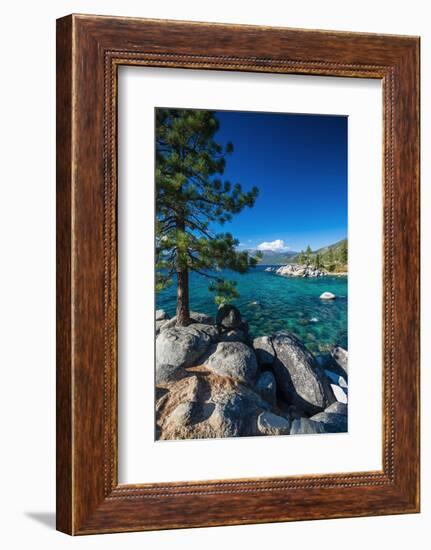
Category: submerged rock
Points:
column 299, row 378
column 234, row 359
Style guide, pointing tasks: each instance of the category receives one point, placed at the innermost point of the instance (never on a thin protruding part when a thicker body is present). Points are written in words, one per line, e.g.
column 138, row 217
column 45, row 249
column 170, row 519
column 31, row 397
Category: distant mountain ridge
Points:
column 274, row 257
column 335, row 247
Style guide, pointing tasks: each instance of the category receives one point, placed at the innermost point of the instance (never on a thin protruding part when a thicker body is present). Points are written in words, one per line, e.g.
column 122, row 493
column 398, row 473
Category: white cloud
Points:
column 277, row 245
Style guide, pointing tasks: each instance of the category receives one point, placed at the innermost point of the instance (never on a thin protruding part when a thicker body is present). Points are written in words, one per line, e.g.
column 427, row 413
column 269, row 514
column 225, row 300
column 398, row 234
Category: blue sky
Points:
column 299, row 164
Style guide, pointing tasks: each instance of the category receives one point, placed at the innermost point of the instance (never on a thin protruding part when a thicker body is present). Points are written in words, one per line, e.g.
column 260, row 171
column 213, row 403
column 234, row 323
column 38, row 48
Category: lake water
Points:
column 271, row 303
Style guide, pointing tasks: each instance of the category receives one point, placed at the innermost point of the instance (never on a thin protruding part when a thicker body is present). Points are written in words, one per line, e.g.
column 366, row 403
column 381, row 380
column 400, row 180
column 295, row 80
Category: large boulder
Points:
column 266, row 386
column 225, row 420
column 169, row 323
column 182, row 346
column 181, row 416
column 264, row 350
column 235, row 413
column 195, row 317
column 168, row 373
column 332, row 422
column 269, row 423
column 206, row 405
column 299, row 378
column 210, row 330
column 202, row 318
column 234, row 359
column 160, row 325
column 340, row 359
column 228, row 317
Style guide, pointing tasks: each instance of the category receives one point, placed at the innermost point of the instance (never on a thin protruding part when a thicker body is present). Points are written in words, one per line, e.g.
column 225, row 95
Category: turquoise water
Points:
column 271, row 303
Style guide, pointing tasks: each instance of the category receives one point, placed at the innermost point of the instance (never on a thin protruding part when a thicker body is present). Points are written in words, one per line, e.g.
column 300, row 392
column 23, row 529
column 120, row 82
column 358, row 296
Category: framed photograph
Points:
column 237, row 274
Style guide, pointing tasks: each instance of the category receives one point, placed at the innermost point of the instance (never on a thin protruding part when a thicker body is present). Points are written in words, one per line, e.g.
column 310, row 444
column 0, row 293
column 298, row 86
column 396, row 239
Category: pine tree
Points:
column 317, row 261
column 308, row 255
column 190, row 196
column 301, row 257
column 344, row 253
column 331, row 260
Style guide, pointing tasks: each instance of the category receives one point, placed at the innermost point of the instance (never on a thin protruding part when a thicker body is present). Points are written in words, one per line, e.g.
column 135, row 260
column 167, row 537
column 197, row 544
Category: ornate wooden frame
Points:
column 89, row 51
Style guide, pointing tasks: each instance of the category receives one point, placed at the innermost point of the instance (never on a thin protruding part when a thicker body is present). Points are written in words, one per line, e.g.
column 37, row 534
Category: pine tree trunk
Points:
column 183, row 310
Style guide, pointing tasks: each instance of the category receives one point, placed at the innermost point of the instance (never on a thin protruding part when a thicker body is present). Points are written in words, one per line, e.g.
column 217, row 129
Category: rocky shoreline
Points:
column 213, row 379
column 298, row 270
